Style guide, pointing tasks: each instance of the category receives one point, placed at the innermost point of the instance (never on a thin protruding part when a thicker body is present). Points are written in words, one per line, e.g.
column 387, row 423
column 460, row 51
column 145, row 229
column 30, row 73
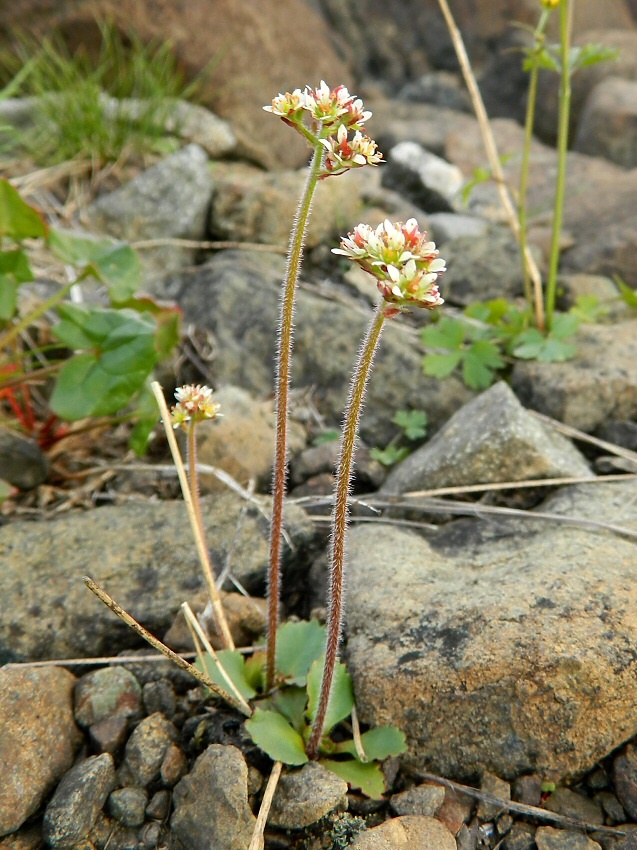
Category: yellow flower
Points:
column 550, row 4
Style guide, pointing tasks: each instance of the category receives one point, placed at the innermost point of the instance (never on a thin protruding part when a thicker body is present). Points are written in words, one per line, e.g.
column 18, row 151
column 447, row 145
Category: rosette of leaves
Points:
column 282, row 719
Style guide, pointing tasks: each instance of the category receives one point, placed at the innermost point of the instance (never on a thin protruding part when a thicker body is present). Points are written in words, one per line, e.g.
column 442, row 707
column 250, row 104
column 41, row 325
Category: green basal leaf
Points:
column 8, row 297
column 564, row 325
column 588, row 308
column 477, row 373
column 378, row 743
column 528, row 344
column 441, row 365
column 368, row 777
column 591, row 54
column 114, row 263
column 167, row 318
column 121, row 356
column 254, row 671
column 298, row 645
column 447, row 334
column 557, row 350
column 412, row 422
column 627, row 293
column 273, row 734
column 329, row 436
column 233, row 663
column 490, row 312
column 341, row 699
column 14, row 270
column 146, row 414
column 390, row 455
column 291, row 703
column 18, row 220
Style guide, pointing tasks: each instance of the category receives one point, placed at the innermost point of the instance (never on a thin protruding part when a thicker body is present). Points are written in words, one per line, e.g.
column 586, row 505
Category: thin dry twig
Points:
column 569, row 431
column 198, row 635
column 356, row 736
column 256, row 842
column 514, row 485
column 520, row 808
column 204, row 245
column 130, row 621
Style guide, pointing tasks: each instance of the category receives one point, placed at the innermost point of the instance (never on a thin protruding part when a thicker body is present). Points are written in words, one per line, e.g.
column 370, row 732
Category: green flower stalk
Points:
column 406, row 267
column 562, row 150
column 325, row 118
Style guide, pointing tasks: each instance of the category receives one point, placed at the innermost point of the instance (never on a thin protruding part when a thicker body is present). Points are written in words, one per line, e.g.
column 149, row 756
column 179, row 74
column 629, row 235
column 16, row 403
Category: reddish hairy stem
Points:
column 282, row 372
column 339, row 519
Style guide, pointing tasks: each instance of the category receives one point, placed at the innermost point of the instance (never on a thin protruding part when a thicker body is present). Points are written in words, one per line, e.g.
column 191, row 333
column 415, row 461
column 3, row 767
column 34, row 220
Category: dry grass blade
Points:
column 569, row 431
column 521, row 808
column 132, row 623
column 200, row 543
column 464, row 509
column 256, row 843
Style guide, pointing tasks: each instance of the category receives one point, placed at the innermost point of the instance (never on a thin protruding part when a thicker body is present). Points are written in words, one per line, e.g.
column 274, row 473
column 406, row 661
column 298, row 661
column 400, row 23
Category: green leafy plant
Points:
column 413, row 425
column 112, row 351
column 83, row 107
column 488, row 335
column 565, row 60
column 282, row 719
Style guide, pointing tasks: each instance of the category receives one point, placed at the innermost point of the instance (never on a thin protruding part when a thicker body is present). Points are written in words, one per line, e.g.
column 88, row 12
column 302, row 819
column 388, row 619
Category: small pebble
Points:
column 563, row 801
column 421, row 800
column 128, row 805
column 109, row 734
column 611, row 806
column 454, row 811
column 521, row 837
column 625, row 770
column 147, row 747
column 107, row 692
column 151, row 836
column 159, row 696
column 495, row 787
column 159, row 805
column 528, row 790
column 77, row 801
column 548, row 838
column 174, row 766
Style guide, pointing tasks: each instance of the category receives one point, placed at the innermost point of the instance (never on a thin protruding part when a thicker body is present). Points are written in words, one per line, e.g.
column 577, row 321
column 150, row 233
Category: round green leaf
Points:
column 270, row 731
column 18, row 220
column 368, row 777
column 298, row 645
column 341, row 698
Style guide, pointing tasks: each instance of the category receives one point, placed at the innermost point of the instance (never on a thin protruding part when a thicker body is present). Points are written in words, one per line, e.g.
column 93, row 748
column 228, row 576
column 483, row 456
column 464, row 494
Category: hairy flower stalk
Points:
column 406, row 267
column 332, row 114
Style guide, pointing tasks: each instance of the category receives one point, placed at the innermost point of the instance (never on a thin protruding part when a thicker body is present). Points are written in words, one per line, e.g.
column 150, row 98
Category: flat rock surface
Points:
column 36, row 747
column 506, row 646
column 142, row 553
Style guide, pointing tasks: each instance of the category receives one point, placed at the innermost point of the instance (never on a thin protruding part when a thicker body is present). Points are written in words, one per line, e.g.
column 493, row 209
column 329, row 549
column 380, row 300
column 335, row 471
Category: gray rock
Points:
column 611, row 807
column 625, row 770
column 187, row 121
column 608, row 124
column 143, row 554
column 108, row 692
column 128, row 805
column 481, row 267
column 159, row 696
column 250, row 205
column 576, row 285
column 598, row 384
column 492, row 650
column 426, row 179
column 211, row 803
column 22, row 462
column 567, row 802
column 305, row 796
column 548, row 838
column 445, row 226
column 169, row 200
column 424, row 800
column 521, row 837
column 241, row 442
column 409, row 832
column 327, row 335
column 492, row 438
column 38, row 739
column 496, row 787
column 441, row 88
column 146, row 748
column 77, row 801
